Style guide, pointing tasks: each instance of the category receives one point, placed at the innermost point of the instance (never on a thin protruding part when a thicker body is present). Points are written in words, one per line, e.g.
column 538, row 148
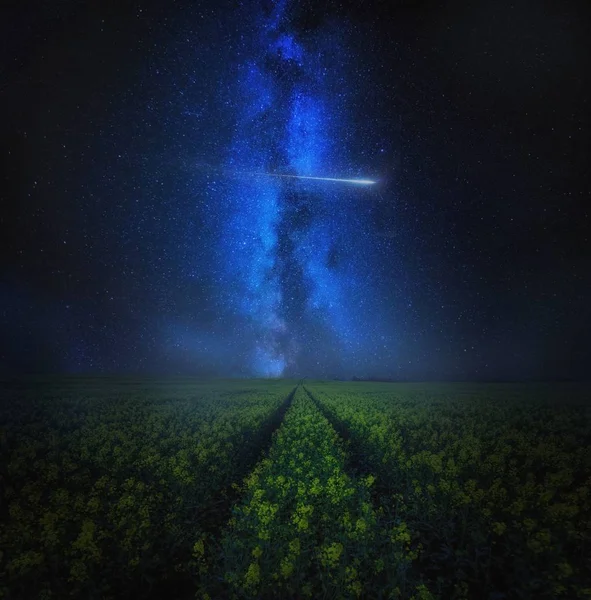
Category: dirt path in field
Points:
column 217, row 514
column 358, row 464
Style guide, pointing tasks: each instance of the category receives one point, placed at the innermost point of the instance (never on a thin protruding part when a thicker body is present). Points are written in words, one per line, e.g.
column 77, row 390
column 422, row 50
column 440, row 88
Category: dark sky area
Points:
column 143, row 228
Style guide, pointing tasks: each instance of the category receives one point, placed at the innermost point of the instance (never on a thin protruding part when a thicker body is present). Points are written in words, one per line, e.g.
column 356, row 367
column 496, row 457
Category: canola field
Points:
column 120, row 488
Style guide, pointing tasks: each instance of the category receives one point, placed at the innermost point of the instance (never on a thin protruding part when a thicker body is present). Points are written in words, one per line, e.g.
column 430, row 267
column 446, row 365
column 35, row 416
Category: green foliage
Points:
column 494, row 483
column 112, row 489
column 147, row 489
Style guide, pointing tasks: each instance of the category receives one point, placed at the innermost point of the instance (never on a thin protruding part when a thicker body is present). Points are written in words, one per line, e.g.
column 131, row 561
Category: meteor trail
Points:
column 234, row 172
column 353, row 181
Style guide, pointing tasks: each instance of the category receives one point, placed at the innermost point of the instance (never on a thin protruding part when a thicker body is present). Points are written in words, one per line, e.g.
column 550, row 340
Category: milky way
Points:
column 289, row 251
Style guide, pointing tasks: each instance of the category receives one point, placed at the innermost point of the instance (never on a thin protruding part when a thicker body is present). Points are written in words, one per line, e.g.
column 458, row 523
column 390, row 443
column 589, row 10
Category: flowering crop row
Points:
column 305, row 528
column 106, row 489
column 493, row 482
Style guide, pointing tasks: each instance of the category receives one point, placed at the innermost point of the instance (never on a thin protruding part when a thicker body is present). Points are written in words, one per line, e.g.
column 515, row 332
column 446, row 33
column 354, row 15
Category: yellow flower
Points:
column 564, row 570
column 499, row 528
column 294, row 547
column 286, row 567
column 355, row 587
column 330, row 555
column 423, row 593
column 400, row 534
column 253, row 575
column 198, row 549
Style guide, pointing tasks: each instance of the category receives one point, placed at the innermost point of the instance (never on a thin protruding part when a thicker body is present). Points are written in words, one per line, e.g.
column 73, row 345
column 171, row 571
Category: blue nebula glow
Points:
column 306, row 144
column 280, row 272
column 289, row 48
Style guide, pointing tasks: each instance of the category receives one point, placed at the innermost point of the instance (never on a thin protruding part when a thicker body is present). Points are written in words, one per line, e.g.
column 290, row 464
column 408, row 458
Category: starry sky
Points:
column 141, row 231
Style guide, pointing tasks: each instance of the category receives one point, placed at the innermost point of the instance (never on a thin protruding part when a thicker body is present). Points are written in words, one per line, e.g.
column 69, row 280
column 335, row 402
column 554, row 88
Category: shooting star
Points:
column 235, row 172
column 335, row 179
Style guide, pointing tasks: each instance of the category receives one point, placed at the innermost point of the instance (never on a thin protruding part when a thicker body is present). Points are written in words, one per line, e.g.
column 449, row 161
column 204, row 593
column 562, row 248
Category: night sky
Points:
column 141, row 232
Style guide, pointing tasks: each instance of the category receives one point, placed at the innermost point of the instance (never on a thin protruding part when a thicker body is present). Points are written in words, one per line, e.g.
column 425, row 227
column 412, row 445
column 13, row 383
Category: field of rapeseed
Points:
column 280, row 489
column 493, row 482
column 106, row 487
